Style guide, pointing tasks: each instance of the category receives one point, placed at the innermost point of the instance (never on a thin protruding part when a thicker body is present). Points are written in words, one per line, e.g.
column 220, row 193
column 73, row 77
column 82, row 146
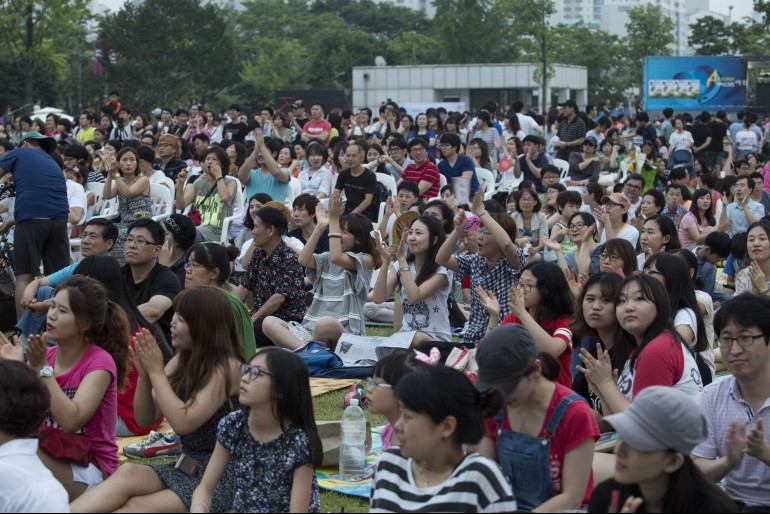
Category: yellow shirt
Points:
column 85, row 135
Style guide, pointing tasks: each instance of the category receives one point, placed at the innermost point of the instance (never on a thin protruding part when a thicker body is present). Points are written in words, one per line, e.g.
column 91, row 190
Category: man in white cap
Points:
column 737, row 450
column 41, row 209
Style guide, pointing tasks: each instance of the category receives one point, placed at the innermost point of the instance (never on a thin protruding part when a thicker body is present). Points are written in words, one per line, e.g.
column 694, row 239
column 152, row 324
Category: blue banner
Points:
column 695, row 83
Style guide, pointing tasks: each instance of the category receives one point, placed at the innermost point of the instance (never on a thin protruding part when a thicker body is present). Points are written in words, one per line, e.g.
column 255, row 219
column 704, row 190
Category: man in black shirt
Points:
column 152, row 285
column 715, row 154
column 236, row 129
column 300, row 116
column 701, row 134
column 359, row 183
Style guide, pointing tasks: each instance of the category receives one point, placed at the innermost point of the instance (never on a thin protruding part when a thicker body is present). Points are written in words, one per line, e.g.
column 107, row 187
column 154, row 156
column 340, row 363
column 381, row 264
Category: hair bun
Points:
column 490, row 402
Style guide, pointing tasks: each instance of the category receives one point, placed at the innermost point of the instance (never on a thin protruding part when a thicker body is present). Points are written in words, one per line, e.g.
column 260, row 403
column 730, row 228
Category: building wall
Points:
column 615, row 17
column 438, row 83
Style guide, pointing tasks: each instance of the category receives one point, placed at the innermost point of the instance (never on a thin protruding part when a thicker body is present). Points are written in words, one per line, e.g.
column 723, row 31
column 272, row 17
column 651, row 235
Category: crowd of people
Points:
column 609, row 276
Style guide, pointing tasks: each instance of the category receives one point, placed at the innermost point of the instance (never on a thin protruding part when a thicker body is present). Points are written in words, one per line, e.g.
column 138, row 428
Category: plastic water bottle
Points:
column 353, row 444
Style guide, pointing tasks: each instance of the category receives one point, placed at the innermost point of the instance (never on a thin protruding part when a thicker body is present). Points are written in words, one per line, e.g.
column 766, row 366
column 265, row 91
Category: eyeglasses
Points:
column 633, row 186
column 373, row 385
column 611, row 257
column 576, row 226
column 524, row 287
column 726, row 342
column 253, row 371
column 192, row 266
column 139, row 241
column 483, row 233
column 527, row 199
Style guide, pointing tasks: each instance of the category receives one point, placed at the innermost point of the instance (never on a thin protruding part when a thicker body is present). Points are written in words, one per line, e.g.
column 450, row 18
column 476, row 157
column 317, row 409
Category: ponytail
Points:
column 490, row 402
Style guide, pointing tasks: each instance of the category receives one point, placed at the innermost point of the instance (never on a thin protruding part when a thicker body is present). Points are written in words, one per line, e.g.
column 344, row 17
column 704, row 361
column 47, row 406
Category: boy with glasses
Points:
column 737, row 408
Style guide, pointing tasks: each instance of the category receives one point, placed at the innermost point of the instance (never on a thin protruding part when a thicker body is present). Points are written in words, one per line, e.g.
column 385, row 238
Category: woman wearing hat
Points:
column 613, row 218
column 543, row 438
column 654, row 471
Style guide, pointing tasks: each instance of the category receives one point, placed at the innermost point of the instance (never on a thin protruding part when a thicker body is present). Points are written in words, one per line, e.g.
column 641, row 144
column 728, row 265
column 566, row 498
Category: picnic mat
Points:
column 319, row 386
column 125, row 441
column 328, row 478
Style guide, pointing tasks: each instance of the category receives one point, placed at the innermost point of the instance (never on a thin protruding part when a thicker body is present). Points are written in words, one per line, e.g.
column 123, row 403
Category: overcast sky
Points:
column 742, row 7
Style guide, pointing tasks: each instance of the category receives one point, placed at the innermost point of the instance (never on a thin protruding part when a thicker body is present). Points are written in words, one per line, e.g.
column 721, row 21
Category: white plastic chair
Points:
column 162, row 202
column 563, row 167
column 102, row 208
column 487, row 181
column 237, row 212
column 388, row 182
column 292, row 192
column 442, row 180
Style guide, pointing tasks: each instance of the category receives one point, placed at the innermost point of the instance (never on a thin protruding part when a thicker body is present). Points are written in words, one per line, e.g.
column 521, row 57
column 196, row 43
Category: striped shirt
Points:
column 475, row 485
column 749, row 483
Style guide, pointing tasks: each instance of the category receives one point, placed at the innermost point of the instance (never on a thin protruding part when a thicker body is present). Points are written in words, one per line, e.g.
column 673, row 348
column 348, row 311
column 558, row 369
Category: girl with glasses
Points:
column 271, row 444
column 380, row 391
column 194, row 392
column 618, row 254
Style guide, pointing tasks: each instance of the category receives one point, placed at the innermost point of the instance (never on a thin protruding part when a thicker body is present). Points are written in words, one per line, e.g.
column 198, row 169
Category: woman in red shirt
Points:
column 542, row 304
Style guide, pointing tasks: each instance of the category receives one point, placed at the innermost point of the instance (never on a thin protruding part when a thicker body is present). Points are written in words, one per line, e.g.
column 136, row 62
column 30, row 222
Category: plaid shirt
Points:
column 677, row 216
column 498, row 280
column 749, row 483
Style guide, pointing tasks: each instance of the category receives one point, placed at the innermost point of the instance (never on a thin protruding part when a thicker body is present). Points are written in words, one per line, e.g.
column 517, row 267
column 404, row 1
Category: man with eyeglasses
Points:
column 398, row 160
column 98, row 237
column 152, row 285
column 455, row 165
column 422, row 172
column 737, row 408
column 633, row 188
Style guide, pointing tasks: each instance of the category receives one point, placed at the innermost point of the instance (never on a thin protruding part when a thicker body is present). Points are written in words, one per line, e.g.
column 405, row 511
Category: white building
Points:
column 425, row 6
column 570, row 12
column 472, row 84
column 615, row 17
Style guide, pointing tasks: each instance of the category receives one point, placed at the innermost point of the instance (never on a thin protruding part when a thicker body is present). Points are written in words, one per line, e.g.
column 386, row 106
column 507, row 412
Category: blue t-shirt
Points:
column 268, row 184
column 462, row 164
column 61, row 276
column 41, row 190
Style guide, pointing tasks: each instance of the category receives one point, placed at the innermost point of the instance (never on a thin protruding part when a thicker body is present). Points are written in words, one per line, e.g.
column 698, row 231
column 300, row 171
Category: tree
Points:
column 530, row 19
column 29, row 29
column 469, row 31
column 156, row 59
column 711, row 36
column 595, row 49
column 648, row 32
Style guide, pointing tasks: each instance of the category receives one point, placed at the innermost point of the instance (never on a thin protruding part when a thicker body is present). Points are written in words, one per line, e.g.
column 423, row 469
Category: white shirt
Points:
column 27, row 485
column 527, row 124
column 76, row 196
column 627, row 232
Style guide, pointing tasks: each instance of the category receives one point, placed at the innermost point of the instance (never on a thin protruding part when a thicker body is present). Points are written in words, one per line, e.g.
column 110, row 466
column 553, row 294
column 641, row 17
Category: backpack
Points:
column 318, row 358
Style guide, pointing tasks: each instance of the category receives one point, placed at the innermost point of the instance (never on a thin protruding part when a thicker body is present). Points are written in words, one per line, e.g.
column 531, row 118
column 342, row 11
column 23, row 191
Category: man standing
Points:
column 235, row 129
column 718, row 128
column 743, row 211
column 701, row 134
column 571, row 133
column 527, row 123
column 667, row 126
column 737, row 408
column 41, row 210
column 317, row 128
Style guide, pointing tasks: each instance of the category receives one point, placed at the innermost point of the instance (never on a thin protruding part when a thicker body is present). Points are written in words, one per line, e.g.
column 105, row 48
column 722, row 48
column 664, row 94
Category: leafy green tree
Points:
column 648, row 27
column 167, row 51
column 31, row 30
column 712, row 36
column 470, row 31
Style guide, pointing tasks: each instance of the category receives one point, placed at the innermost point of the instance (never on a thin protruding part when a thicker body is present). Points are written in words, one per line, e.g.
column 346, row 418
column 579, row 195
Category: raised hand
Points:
column 336, row 207
column 320, row 214
column 755, row 443
column 598, row 371
column 11, row 351
column 36, row 349
column 461, row 221
column 517, row 301
column 478, row 201
column 147, row 353
column 757, row 277
column 382, row 247
column 489, row 302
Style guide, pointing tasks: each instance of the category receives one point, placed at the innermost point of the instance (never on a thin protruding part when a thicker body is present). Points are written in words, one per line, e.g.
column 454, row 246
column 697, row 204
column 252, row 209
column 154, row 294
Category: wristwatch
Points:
column 46, row 371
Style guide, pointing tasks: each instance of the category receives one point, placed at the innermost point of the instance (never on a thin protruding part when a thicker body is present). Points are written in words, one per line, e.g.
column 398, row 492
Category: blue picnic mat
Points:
column 329, row 479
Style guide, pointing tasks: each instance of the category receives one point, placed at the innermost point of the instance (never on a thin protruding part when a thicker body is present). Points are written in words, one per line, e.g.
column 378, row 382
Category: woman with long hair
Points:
column 83, row 374
column 424, row 284
column 125, row 180
column 543, row 437
column 532, row 224
column 699, row 222
column 340, row 278
column 421, row 129
column 486, row 131
column 658, row 234
column 194, row 391
column 756, row 277
column 647, row 342
column 595, row 322
column 654, row 471
column 542, row 304
column 592, row 198
column 479, row 152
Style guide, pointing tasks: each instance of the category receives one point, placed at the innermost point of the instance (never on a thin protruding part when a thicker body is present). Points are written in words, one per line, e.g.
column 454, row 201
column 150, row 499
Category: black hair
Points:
column 708, row 215
column 493, row 206
column 360, row 227
column 292, row 400
column 745, row 310
column 719, row 243
column 146, row 154
column 681, row 291
column 549, row 168
column 109, row 229
column 446, row 213
column 183, row 230
column 262, row 198
column 749, row 182
column 272, row 217
column 565, row 197
column 441, row 392
column 609, row 286
column 625, row 250
column 536, row 200
column 392, row 368
column 212, row 256
column 452, row 140
column 430, row 266
column 155, row 229
column 692, row 263
column 655, row 293
column 25, row 400
column 409, row 186
column 667, row 228
column 556, row 301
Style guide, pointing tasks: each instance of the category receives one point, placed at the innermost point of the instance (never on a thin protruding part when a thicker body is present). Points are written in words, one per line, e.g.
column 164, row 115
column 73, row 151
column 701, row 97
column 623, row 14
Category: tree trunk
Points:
column 29, row 72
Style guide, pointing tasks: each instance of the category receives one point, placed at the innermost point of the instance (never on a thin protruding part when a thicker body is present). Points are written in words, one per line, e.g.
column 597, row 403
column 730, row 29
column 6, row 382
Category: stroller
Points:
column 681, row 159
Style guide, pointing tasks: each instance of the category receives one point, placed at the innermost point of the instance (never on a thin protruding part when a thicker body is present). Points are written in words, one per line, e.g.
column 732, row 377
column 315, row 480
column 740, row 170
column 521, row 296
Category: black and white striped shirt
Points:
column 476, row 485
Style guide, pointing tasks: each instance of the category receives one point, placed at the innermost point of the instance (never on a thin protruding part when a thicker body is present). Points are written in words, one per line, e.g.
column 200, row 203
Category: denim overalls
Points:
column 526, row 460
